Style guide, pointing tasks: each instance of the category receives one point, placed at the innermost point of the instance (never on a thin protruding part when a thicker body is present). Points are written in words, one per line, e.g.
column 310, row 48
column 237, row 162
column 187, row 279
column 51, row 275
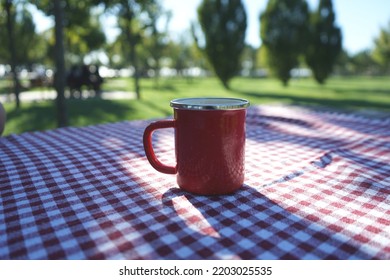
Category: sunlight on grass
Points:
column 355, row 93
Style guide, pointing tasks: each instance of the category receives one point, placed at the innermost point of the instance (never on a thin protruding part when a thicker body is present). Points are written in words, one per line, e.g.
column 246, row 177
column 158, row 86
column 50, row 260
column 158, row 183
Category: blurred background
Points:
column 77, row 63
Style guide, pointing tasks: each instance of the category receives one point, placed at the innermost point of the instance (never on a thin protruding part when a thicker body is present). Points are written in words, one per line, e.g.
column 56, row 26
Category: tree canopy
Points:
column 83, row 32
column 284, row 35
column 325, row 41
column 381, row 53
column 30, row 47
column 224, row 25
column 290, row 38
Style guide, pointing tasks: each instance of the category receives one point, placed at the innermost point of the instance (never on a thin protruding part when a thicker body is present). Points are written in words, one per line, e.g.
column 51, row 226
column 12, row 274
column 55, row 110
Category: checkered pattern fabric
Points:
column 317, row 187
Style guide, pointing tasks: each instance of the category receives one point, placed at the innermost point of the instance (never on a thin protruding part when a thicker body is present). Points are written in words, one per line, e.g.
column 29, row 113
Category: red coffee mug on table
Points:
column 209, row 144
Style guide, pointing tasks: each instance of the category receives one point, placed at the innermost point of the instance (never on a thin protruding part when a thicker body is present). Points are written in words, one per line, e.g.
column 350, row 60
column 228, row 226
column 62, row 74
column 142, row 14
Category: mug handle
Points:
column 148, row 147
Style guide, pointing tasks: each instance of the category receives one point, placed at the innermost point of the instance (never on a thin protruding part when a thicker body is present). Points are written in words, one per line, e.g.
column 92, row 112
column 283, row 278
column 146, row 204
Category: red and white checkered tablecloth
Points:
column 317, row 187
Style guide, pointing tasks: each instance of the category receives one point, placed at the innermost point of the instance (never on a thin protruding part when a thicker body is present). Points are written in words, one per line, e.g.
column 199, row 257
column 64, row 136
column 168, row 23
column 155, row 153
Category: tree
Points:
column 224, row 25
column 362, row 63
column 8, row 5
column 62, row 115
column 324, row 41
column 29, row 47
column 84, row 38
column 56, row 8
column 381, row 52
column 249, row 60
column 284, row 35
column 183, row 55
column 157, row 41
column 83, row 32
column 343, row 65
column 133, row 19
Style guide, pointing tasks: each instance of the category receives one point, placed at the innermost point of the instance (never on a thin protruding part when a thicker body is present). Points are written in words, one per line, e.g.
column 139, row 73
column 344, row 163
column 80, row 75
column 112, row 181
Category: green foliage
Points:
column 82, row 30
column 363, row 63
column 155, row 41
column 284, row 35
column 223, row 24
column 29, row 46
column 181, row 55
column 381, row 53
column 249, row 60
column 324, row 41
column 80, row 40
column 134, row 16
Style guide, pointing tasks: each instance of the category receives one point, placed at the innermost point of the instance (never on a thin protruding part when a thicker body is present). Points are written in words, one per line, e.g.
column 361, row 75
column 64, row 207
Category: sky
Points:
column 360, row 20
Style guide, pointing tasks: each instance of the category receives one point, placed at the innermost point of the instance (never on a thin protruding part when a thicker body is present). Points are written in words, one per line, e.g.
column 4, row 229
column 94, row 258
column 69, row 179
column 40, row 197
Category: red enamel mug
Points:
column 209, row 144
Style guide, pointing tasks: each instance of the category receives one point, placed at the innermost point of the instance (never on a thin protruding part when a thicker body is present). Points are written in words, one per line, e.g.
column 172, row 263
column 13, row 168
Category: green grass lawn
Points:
column 349, row 94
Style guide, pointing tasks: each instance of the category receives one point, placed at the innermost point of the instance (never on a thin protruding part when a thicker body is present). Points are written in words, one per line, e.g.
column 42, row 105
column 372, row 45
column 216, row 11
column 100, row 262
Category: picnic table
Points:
column 317, row 186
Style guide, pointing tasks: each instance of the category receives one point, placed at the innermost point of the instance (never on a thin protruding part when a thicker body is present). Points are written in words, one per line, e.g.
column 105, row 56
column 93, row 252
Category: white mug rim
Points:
column 210, row 103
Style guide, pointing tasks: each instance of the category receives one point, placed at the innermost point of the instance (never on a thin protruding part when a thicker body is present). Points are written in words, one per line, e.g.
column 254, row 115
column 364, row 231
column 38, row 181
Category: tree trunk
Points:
column 225, row 84
column 132, row 39
column 62, row 116
column 133, row 56
column 11, row 45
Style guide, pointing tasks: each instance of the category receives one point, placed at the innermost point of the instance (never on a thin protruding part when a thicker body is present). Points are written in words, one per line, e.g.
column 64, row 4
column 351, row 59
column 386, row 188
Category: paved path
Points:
column 31, row 96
